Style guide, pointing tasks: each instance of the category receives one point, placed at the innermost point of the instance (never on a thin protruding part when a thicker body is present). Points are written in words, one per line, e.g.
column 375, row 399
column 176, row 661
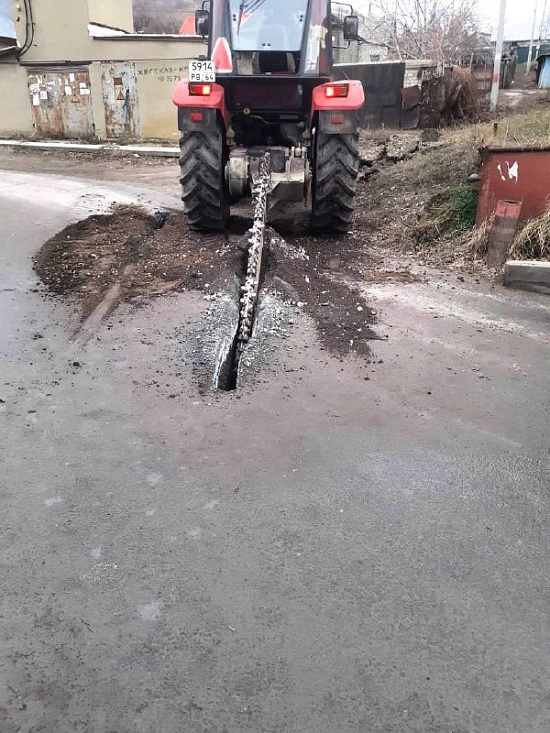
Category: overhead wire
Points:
column 24, row 47
column 29, row 28
column 29, row 2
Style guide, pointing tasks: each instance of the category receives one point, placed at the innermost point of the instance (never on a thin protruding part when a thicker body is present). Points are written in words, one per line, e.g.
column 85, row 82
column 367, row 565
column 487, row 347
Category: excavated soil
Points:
column 147, row 256
column 319, row 274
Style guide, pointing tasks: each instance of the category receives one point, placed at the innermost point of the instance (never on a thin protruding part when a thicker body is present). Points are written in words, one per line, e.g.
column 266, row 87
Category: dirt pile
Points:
column 148, row 255
column 315, row 274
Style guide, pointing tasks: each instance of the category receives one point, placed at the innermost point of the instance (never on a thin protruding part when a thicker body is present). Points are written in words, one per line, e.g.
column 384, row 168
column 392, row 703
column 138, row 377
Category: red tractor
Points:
column 266, row 87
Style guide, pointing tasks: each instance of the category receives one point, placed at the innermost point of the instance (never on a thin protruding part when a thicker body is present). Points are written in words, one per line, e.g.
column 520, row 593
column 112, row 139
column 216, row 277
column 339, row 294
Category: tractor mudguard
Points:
column 197, row 118
column 352, row 102
column 195, row 102
column 338, row 122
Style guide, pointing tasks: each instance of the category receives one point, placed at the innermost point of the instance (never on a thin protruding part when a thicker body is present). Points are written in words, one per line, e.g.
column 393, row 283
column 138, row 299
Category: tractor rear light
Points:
column 336, row 90
column 337, row 119
column 200, row 90
column 196, row 116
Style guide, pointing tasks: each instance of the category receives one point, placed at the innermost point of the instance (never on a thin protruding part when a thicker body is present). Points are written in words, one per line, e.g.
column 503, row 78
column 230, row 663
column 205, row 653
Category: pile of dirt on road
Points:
column 325, row 274
column 320, row 277
column 147, row 254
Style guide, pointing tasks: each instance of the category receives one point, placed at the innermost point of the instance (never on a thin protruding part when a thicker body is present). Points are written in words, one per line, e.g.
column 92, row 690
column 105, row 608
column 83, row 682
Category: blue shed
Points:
column 543, row 71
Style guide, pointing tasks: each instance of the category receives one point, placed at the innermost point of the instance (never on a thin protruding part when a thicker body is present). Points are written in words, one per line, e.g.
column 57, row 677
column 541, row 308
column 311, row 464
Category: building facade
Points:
column 80, row 71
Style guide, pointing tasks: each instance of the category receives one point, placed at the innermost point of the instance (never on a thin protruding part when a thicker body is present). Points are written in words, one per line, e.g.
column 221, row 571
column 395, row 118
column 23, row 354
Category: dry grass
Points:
column 531, row 129
column 467, row 103
column 439, row 228
column 478, row 246
column 532, row 242
column 409, row 200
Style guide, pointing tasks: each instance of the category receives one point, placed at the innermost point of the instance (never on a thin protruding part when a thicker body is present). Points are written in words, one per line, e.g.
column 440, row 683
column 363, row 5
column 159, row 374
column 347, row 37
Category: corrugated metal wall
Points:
column 522, row 53
column 382, row 84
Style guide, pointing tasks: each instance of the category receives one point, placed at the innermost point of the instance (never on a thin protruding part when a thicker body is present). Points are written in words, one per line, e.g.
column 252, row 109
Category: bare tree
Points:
column 442, row 30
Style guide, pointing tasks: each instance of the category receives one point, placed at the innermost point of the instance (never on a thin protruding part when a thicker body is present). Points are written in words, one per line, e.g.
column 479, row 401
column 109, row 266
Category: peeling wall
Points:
column 97, row 100
column 61, row 102
column 122, row 118
column 150, row 100
column 62, row 40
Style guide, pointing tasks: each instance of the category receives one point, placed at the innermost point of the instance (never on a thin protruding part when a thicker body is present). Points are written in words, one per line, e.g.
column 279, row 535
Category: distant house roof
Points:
column 536, row 42
column 544, row 50
column 7, row 46
column 107, row 33
column 420, row 63
column 188, row 26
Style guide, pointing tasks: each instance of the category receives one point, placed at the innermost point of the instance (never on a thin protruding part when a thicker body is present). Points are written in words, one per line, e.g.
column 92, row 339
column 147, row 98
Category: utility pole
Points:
column 531, row 43
column 498, row 57
column 543, row 28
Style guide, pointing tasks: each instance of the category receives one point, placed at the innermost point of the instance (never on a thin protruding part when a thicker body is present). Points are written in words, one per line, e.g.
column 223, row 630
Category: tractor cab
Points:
column 249, row 37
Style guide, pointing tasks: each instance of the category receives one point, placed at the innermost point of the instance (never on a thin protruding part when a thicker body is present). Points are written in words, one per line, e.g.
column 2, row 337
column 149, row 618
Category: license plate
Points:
column 202, row 71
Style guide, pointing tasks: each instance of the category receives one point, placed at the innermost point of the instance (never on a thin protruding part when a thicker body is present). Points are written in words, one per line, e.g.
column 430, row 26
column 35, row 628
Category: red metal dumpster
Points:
column 518, row 174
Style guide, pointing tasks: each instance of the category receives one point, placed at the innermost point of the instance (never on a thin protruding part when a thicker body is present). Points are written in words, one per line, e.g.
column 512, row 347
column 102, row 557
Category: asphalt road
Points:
column 319, row 553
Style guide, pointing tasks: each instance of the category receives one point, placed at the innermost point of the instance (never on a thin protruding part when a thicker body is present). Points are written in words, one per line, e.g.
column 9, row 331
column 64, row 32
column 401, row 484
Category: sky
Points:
column 519, row 17
column 7, row 27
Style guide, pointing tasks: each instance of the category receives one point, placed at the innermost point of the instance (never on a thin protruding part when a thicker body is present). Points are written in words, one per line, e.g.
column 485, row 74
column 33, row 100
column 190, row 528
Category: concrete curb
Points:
column 528, row 275
column 146, row 151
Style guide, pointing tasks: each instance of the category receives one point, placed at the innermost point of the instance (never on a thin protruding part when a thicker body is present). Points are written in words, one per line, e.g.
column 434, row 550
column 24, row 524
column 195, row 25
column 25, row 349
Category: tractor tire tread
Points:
column 204, row 194
column 336, row 168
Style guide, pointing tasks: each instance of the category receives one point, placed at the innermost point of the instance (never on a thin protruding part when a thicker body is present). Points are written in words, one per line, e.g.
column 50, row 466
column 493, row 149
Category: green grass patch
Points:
column 461, row 207
column 453, row 210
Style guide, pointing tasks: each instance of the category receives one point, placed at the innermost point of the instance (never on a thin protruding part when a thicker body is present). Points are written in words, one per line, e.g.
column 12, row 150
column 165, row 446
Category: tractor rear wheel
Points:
column 335, row 170
column 204, row 190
